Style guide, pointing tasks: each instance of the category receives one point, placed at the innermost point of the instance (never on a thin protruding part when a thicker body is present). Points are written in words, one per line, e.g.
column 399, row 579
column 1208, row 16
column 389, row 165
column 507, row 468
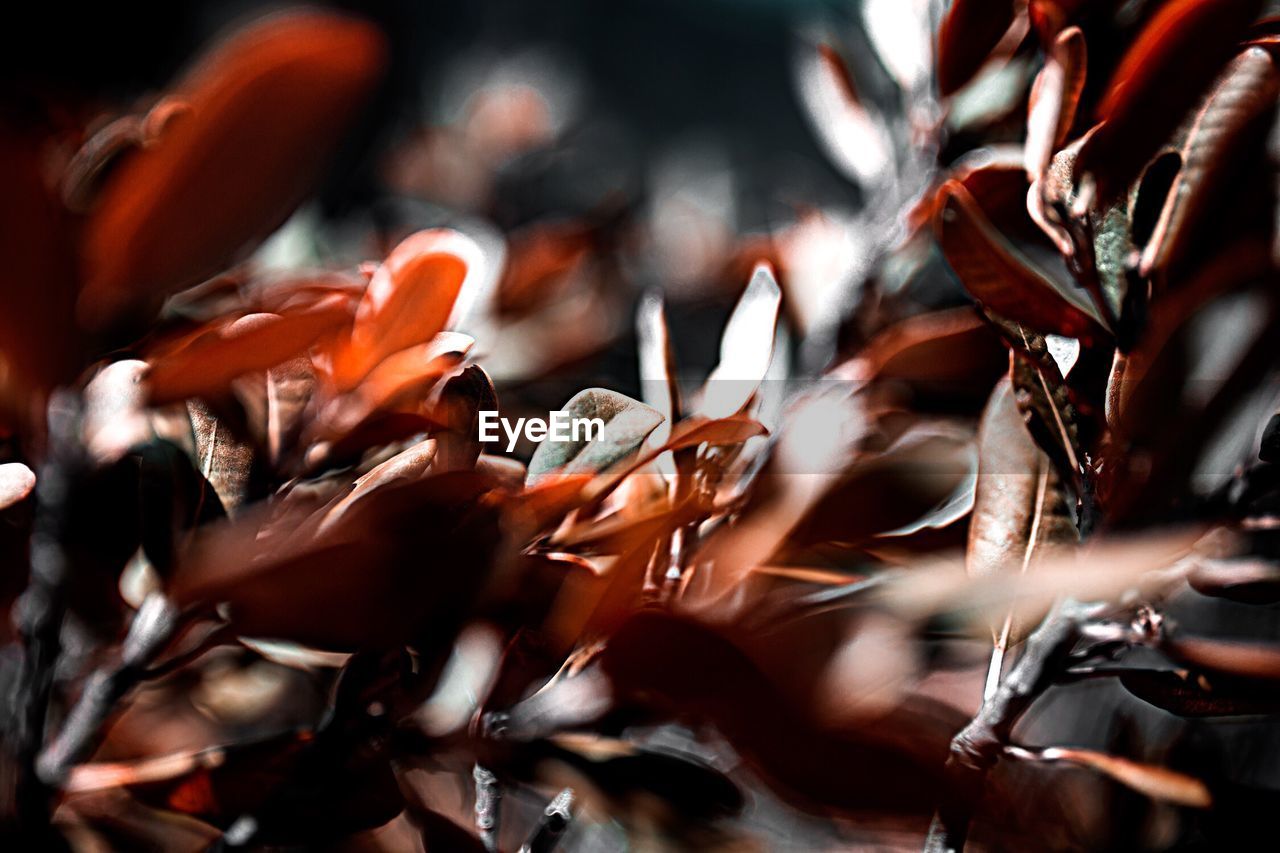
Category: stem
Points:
column 555, row 820
column 488, row 807
column 149, row 634
column 43, row 605
column 978, row 746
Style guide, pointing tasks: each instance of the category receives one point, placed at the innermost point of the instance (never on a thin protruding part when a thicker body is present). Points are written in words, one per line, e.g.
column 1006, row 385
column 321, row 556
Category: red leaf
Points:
column 995, row 273
column 267, row 107
column 969, row 33
column 1175, row 58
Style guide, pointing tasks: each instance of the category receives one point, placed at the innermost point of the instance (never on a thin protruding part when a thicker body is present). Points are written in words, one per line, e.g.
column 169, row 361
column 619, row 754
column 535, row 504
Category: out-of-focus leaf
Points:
column 1246, row 660
column 659, row 384
column 401, row 375
column 1020, row 511
column 1000, row 278
column 627, row 423
column 1159, row 783
column 409, row 300
column 16, row 483
column 1251, row 581
column 236, row 153
column 945, row 354
column 109, row 145
column 1192, row 694
column 970, row 31
column 746, row 347
column 1054, row 99
column 1244, row 96
column 718, row 683
column 37, row 282
column 408, row 464
column 1174, row 59
column 205, row 365
column 402, row 565
column 854, row 137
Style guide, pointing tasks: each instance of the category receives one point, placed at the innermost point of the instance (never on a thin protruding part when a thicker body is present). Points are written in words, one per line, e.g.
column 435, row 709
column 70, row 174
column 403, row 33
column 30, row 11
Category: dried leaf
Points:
column 1020, row 511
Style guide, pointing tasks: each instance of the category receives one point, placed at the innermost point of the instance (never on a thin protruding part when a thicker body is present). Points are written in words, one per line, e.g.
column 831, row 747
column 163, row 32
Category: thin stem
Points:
column 555, row 821
column 488, row 807
column 149, row 634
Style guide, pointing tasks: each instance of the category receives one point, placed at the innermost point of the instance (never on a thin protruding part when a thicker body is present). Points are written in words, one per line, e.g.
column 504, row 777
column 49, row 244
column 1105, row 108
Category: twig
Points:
column 555, row 820
column 488, row 807
column 978, row 746
column 43, row 605
column 148, row 635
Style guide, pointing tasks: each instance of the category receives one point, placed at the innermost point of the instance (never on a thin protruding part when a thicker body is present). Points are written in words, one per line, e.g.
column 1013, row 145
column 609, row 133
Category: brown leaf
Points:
column 224, row 460
column 206, row 364
column 1253, row 581
column 1246, row 660
column 1159, row 783
column 1173, row 61
column 1021, row 510
column 1054, row 99
column 1000, row 278
column 409, row 300
column 267, row 108
column 457, row 407
column 970, row 31
column 1234, row 111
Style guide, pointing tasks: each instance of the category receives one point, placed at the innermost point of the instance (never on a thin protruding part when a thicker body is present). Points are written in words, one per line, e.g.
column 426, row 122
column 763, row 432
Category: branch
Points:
column 149, row 634
column 979, row 745
column 555, row 820
column 42, row 608
column 488, row 807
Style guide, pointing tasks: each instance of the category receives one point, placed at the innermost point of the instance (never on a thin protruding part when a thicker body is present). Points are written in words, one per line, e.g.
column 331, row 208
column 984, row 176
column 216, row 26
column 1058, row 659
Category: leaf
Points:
column 1054, row 99
column 1235, row 110
column 659, row 385
column 1159, row 783
column 402, row 565
column 267, row 108
column 627, row 423
column 16, row 483
column 205, row 365
column 457, row 408
column 37, row 282
column 746, row 347
column 1046, row 405
column 406, row 374
column 1245, row 660
column 1252, row 581
column 409, row 300
column 410, row 463
column 719, row 683
column 1191, row 694
column 1001, row 279
column 1020, row 510
column 969, row 33
column 1175, row 58
column 853, row 135
column 224, row 460
column 942, row 354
